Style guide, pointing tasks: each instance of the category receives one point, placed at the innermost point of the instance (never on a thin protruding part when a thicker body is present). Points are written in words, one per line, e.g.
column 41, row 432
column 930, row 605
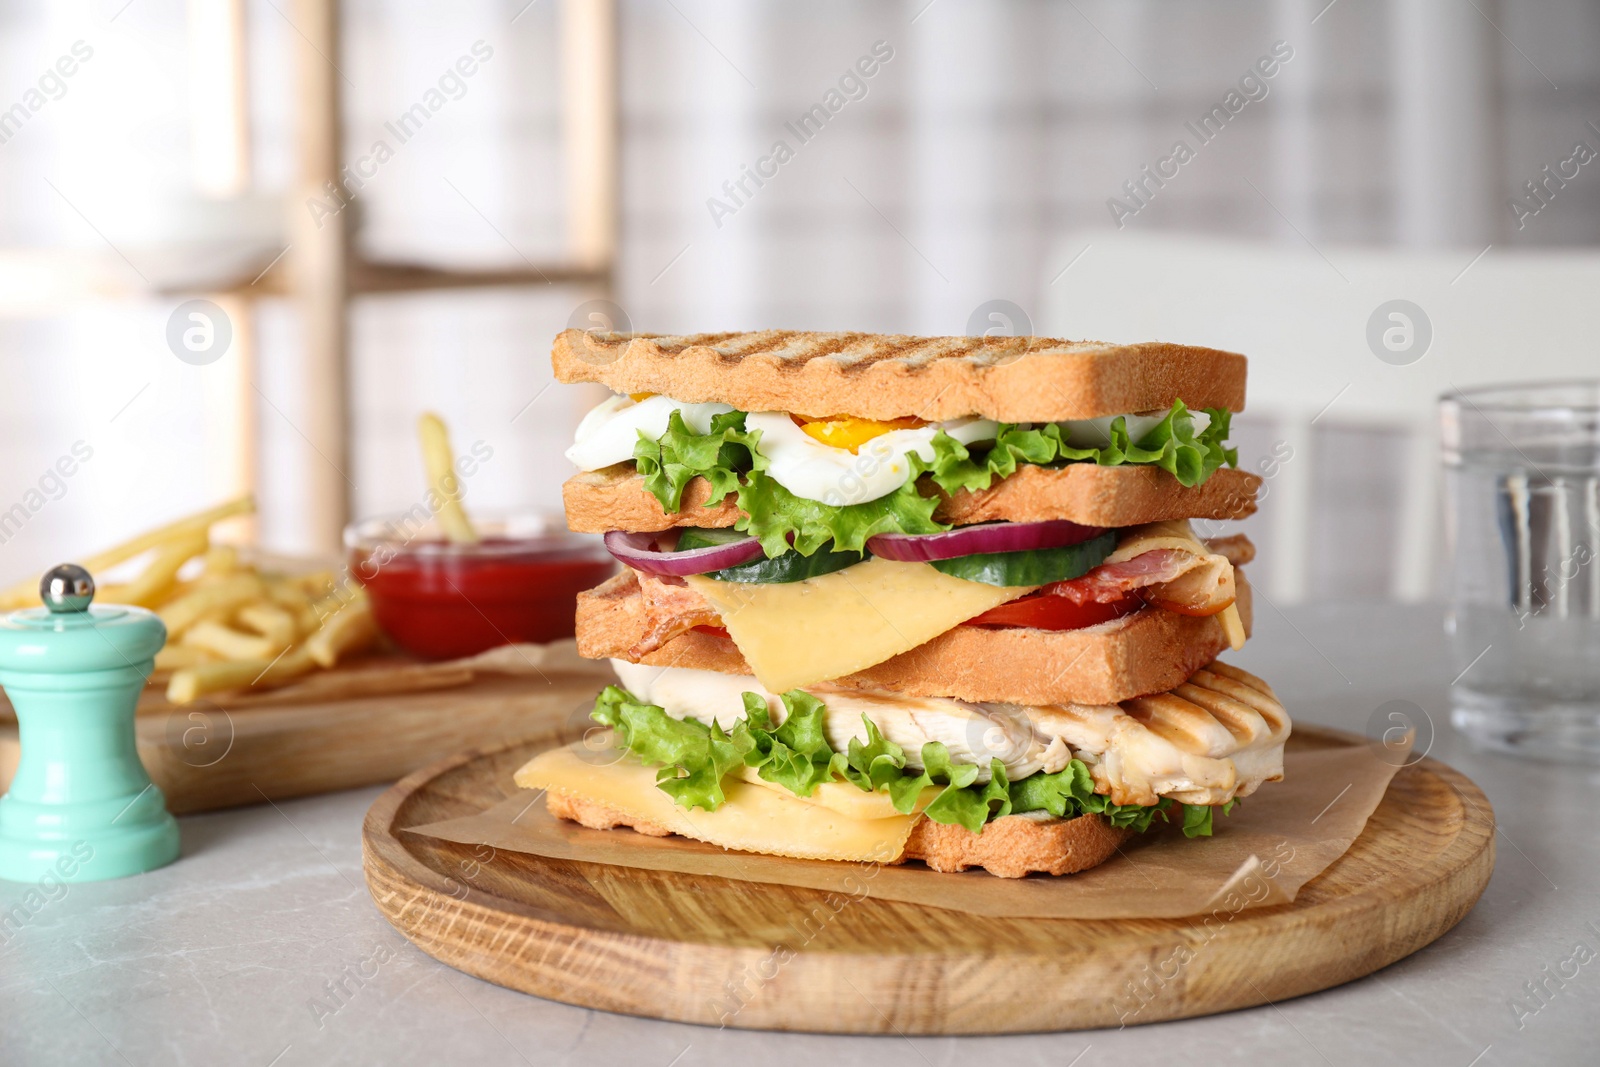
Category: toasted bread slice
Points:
column 615, row 499
column 890, row 376
column 1010, row 847
column 1017, row 845
column 1150, row 651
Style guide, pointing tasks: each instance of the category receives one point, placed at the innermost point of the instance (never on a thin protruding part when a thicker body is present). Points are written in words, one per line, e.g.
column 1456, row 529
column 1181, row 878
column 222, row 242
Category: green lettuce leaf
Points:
column 955, row 467
column 1197, row 818
column 1070, row 789
column 671, row 463
column 729, row 457
column 797, row 756
column 967, row 804
column 1070, row 792
column 1171, row 444
column 873, row 765
column 695, row 757
column 962, row 801
column 937, row 769
column 782, row 520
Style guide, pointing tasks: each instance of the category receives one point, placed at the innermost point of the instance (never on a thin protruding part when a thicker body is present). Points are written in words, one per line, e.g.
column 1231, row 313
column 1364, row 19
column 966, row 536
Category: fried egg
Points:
column 836, row 461
column 840, row 476
column 609, row 432
column 1096, row 433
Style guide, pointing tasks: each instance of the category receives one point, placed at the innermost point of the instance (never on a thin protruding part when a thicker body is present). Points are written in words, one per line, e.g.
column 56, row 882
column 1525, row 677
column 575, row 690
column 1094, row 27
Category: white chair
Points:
column 1353, row 491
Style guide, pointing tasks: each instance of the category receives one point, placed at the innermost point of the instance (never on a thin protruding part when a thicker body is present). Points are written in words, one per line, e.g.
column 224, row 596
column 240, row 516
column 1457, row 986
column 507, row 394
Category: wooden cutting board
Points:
column 703, row 950
column 314, row 738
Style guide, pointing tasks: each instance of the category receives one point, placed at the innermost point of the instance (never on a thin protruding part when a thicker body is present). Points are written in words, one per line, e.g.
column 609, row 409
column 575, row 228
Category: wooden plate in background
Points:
column 373, row 721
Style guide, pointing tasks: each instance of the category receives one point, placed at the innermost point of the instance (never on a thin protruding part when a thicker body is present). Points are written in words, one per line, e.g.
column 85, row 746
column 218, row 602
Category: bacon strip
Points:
column 1171, row 578
column 1112, row 581
column 670, row 608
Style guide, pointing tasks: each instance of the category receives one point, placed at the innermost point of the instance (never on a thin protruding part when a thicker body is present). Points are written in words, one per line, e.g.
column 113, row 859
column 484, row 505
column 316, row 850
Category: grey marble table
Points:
column 261, row 946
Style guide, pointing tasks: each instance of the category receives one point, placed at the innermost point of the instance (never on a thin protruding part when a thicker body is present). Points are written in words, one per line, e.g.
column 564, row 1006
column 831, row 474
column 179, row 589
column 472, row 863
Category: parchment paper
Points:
column 1275, row 842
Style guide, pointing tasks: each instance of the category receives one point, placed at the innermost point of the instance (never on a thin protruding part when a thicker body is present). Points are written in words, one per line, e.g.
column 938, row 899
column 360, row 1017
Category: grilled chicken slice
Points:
column 974, row 733
column 1216, row 737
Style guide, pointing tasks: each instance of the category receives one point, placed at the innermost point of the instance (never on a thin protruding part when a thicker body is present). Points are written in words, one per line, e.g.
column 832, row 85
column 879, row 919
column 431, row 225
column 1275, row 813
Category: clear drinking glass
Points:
column 1522, row 483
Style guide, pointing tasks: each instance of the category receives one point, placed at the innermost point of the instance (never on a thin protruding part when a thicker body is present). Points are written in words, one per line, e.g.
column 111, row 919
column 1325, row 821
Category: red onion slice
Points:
column 637, row 551
column 981, row 540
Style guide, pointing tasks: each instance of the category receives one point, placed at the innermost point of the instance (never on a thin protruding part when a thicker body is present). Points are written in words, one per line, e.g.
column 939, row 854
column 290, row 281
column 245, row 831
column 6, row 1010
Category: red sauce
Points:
column 442, row 601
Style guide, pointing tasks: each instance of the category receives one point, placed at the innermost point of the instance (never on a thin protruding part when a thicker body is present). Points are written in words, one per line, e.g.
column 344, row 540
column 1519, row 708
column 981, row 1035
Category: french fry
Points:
column 26, row 593
column 229, row 643
column 287, row 593
column 351, row 629
column 224, row 595
column 440, row 462
column 272, row 622
column 329, row 606
column 232, row 626
column 191, row 683
column 175, row 657
column 309, row 619
column 156, row 581
column 178, row 589
column 222, row 616
column 221, row 560
column 317, row 583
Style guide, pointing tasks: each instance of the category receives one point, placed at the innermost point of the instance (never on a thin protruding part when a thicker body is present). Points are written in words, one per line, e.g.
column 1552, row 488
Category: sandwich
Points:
column 892, row 598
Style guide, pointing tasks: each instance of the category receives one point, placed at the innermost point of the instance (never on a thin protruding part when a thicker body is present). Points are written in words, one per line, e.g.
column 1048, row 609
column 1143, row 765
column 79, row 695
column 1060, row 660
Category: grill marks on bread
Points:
column 854, row 352
column 886, row 376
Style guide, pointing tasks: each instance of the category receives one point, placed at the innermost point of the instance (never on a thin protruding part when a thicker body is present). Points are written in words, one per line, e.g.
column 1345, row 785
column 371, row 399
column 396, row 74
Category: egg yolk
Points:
column 849, row 432
column 638, row 398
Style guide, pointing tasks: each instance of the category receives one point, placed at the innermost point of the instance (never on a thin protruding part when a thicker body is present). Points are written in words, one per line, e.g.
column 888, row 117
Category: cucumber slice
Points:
column 1039, row 567
column 789, row 567
column 697, row 537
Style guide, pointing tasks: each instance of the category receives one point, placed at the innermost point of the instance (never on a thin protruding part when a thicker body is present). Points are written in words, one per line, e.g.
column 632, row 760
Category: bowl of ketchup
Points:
column 441, row 599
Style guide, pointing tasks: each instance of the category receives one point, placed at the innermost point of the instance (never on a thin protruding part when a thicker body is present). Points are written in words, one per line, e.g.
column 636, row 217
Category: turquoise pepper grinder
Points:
column 81, row 806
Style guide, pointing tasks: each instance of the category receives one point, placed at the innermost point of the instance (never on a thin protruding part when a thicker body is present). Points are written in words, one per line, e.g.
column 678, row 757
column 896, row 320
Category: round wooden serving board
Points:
column 702, row 949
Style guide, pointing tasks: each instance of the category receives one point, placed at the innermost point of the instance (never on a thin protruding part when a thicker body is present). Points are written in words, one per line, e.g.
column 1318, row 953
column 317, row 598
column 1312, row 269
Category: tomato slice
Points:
column 1042, row 611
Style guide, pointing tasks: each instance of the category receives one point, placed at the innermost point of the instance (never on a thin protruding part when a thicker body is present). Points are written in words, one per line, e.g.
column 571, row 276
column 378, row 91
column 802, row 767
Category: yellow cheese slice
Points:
column 1233, row 626
column 800, row 633
column 754, row 818
column 846, row 799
